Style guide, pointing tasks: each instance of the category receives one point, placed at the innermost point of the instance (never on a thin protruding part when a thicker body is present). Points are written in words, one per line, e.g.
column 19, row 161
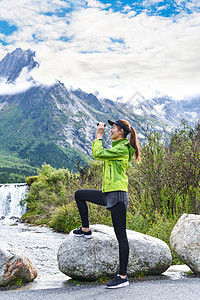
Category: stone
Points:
column 90, row 259
column 185, row 240
column 14, row 265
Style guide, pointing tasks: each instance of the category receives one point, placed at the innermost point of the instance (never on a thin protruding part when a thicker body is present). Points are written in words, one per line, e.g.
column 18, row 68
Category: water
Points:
column 40, row 244
column 10, row 196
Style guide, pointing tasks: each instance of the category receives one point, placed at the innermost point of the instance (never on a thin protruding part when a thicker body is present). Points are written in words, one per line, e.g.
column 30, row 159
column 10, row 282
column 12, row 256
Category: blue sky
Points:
column 159, row 8
column 111, row 48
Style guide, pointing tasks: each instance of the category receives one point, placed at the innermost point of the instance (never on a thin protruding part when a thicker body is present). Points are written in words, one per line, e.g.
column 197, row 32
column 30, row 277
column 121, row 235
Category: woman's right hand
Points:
column 100, row 130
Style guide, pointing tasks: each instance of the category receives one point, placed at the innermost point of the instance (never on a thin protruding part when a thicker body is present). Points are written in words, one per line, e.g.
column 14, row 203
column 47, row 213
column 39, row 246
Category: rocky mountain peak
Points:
column 90, row 99
column 13, row 63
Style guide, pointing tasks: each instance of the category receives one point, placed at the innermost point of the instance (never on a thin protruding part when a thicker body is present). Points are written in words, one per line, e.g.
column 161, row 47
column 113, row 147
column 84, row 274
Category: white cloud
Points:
column 127, row 8
column 151, row 2
column 2, row 36
column 97, row 4
column 18, row 11
column 156, row 51
column 28, row 16
column 22, row 83
column 115, row 53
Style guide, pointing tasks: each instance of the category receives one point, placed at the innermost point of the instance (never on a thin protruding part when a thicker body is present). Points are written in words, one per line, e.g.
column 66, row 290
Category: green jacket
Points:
column 115, row 164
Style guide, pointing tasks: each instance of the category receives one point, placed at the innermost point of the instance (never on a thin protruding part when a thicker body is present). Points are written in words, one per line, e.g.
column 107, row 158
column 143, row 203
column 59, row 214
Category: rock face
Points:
column 89, row 259
column 14, row 265
column 185, row 240
column 13, row 63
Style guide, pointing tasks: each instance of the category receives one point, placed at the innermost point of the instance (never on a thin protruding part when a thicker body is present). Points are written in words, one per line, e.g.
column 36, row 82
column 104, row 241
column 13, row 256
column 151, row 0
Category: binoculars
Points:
column 103, row 124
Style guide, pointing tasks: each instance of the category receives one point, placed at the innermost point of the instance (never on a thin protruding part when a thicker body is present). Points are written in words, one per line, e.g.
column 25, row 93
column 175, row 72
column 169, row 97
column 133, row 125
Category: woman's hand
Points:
column 99, row 131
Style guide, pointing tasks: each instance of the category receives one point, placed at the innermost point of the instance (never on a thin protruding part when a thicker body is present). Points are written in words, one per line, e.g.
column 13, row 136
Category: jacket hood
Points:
column 130, row 148
column 131, row 152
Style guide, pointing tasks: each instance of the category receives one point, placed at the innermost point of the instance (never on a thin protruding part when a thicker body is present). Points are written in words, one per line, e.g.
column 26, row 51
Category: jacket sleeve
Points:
column 115, row 153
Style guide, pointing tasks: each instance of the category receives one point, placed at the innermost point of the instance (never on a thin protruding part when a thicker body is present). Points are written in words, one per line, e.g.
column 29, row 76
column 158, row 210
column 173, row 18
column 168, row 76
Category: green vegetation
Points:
column 161, row 188
column 31, row 135
column 14, row 170
column 18, row 281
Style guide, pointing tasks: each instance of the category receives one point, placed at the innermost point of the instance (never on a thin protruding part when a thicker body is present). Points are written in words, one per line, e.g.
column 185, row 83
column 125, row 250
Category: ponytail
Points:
column 133, row 139
column 134, row 143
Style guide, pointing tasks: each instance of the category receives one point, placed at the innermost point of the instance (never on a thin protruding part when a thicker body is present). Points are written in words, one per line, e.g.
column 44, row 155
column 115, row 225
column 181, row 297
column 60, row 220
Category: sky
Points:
column 110, row 48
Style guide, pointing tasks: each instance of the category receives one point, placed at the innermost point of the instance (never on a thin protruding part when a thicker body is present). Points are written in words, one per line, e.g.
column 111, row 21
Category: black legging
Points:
column 118, row 213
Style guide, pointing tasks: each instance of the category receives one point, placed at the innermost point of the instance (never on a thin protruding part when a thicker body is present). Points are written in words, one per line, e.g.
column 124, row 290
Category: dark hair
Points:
column 133, row 138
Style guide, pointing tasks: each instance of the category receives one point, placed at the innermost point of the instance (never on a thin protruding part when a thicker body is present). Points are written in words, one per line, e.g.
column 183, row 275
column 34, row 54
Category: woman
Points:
column 114, row 193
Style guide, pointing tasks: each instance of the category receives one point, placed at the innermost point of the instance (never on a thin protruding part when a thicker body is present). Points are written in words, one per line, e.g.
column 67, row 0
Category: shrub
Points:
column 31, row 179
column 65, row 218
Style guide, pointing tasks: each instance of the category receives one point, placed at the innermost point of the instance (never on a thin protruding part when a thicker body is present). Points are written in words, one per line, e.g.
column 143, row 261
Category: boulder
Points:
column 14, row 265
column 89, row 259
column 185, row 240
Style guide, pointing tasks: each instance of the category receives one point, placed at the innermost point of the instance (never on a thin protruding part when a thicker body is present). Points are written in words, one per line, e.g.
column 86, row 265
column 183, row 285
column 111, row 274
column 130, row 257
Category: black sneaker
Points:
column 80, row 232
column 117, row 282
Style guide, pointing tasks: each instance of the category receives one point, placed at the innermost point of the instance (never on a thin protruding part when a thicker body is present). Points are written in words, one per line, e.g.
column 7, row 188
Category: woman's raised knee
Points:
column 77, row 195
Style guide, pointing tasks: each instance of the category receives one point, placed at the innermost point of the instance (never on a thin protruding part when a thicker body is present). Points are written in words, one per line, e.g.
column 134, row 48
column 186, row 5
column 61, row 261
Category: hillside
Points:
column 55, row 125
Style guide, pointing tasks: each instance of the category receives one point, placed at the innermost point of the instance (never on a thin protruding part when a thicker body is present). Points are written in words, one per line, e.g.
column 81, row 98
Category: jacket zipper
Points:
column 110, row 172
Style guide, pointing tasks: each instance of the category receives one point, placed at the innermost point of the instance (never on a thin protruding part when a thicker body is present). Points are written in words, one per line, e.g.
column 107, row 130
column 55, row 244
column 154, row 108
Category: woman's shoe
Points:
column 80, row 232
column 117, row 282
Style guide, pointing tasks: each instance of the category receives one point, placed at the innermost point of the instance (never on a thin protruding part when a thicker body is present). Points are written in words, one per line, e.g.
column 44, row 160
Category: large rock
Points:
column 14, row 265
column 89, row 259
column 185, row 241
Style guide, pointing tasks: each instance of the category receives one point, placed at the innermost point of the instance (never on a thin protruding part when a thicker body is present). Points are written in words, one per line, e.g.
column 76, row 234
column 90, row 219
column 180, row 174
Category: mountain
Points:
column 57, row 125
column 13, row 63
column 166, row 110
column 53, row 125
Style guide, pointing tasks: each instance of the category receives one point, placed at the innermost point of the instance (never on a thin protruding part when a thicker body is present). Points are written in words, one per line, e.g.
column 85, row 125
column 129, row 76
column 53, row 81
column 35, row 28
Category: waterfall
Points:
column 10, row 196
